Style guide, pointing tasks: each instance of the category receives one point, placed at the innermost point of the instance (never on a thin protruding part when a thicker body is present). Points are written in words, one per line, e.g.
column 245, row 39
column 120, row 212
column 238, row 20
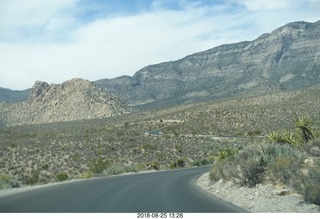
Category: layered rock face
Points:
column 287, row 58
column 76, row 99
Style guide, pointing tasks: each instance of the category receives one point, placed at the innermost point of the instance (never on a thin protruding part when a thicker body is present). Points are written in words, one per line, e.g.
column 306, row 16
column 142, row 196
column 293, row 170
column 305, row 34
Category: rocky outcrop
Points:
column 287, row 58
column 76, row 99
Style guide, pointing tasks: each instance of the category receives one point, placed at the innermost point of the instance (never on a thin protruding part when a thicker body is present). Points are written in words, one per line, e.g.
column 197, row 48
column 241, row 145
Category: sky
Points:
column 58, row 40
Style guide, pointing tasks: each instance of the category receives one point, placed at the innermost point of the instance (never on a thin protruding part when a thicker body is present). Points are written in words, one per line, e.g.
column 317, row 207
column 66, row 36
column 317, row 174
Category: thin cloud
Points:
column 66, row 42
column 258, row 5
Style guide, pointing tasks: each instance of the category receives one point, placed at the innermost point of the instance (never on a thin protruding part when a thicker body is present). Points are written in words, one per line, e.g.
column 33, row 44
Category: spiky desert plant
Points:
column 303, row 123
column 275, row 137
column 224, row 153
column 291, row 138
column 285, row 137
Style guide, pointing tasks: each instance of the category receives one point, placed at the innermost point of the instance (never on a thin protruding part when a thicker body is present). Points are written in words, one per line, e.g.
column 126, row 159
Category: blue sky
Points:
column 55, row 41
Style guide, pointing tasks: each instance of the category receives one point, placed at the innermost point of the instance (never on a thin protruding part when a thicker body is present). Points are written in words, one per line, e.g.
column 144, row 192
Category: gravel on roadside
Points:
column 264, row 198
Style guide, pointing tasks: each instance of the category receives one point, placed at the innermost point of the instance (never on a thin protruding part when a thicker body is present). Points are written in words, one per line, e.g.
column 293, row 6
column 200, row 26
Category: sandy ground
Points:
column 264, row 198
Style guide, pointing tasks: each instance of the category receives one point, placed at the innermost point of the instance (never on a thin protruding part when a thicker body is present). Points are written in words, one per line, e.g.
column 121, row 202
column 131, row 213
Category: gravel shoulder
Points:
column 264, row 198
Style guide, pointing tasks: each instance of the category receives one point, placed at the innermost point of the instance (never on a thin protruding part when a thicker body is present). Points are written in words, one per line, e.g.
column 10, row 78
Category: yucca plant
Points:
column 275, row 137
column 285, row 137
column 303, row 123
column 291, row 138
column 224, row 153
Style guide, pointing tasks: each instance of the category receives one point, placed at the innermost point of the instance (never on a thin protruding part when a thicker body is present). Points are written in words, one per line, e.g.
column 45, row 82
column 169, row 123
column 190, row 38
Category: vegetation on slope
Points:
column 290, row 158
column 184, row 136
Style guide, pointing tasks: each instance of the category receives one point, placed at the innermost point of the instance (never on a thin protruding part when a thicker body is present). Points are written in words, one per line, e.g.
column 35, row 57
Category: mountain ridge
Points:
column 76, row 99
column 273, row 61
column 286, row 58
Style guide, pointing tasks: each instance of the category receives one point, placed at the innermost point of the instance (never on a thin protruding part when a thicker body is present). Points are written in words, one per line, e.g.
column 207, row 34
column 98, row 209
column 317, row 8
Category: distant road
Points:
column 158, row 132
column 164, row 191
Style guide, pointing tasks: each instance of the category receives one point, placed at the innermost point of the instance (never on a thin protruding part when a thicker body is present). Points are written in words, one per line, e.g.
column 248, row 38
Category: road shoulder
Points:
column 264, row 198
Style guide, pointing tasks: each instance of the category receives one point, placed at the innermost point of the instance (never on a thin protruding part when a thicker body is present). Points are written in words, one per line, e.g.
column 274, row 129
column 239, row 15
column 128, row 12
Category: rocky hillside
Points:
column 287, row 58
column 72, row 100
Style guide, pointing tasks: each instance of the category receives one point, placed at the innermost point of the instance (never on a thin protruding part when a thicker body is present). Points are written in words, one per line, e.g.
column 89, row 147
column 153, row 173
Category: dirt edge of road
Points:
column 264, row 198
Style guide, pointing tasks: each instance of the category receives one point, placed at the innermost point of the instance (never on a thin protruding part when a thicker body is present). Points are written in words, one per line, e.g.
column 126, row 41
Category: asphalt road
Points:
column 164, row 191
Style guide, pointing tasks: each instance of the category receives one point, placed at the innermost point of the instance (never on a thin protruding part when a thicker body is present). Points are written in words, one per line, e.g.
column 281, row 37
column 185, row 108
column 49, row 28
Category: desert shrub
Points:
column 304, row 124
column 222, row 170
column 7, row 181
column 224, row 153
column 316, row 132
column 154, row 165
column 253, row 164
column 291, row 138
column 118, row 168
column 313, row 147
column 285, row 137
column 61, row 176
column 254, row 132
column 201, row 162
column 179, row 148
column 275, row 137
column 98, row 165
column 173, row 165
column 149, row 146
column 216, row 172
column 87, row 175
column 32, row 178
column 305, row 134
column 270, row 152
column 115, row 169
column 307, row 184
column 181, row 162
column 283, row 169
column 178, row 163
column 251, row 171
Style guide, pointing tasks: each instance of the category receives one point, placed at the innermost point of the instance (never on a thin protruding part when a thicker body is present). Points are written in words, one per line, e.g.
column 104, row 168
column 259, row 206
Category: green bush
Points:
column 253, row 164
column 201, row 162
column 178, row 163
column 32, row 178
column 252, row 171
column 87, row 175
column 154, row 165
column 61, row 176
column 98, row 165
column 8, row 182
column 224, row 153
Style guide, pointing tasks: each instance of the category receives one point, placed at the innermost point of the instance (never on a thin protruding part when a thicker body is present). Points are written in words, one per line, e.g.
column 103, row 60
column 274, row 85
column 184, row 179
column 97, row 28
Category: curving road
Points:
column 165, row 191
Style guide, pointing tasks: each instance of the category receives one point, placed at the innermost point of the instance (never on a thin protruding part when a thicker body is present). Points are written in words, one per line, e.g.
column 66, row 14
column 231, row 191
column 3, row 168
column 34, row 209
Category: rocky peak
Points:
column 77, row 82
column 38, row 89
column 76, row 99
column 42, row 91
